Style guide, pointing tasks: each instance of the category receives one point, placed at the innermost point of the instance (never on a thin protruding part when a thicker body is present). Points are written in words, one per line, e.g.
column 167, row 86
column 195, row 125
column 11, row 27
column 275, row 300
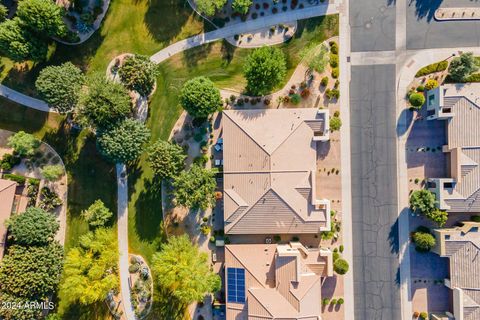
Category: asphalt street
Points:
column 423, row 31
column 372, row 25
column 374, row 192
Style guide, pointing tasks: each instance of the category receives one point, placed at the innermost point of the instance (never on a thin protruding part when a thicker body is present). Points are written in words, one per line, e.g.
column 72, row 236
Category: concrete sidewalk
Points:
column 23, row 99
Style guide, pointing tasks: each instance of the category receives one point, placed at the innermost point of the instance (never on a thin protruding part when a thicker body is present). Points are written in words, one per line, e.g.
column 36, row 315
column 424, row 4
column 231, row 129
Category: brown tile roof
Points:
column 269, row 171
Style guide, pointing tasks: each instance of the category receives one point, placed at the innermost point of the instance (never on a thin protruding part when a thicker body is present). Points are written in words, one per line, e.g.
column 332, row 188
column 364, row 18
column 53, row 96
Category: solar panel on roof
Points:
column 236, row 285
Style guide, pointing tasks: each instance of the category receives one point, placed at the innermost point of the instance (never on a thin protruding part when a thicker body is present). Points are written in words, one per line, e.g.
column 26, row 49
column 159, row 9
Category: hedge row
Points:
column 431, row 68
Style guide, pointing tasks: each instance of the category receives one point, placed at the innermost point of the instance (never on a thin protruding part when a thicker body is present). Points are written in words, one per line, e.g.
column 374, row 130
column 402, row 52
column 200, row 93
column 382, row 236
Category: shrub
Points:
column 341, row 248
column 32, row 227
column 416, row 99
column 295, row 98
column 340, row 266
column 241, row 6
column 431, row 84
column 340, row 301
column 423, row 315
column 473, row 78
column 333, row 47
column 335, row 123
column 324, row 81
column 277, row 238
column 475, row 218
column 424, row 241
column 431, row 68
column 335, row 255
column 23, row 143
column 52, row 173
column 462, row 67
column 97, row 215
column 333, row 301
column 325, row 301
column 420, row 88
column 335, row 73
column 13, row 177
column 333, row 61
column 133, row 268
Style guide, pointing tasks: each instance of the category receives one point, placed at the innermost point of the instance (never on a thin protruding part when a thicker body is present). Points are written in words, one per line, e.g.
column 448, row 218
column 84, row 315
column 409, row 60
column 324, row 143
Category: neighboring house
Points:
column 458, row 105
column 7, row 197
column 462, row 246
column 269, row 171
column 269, row 281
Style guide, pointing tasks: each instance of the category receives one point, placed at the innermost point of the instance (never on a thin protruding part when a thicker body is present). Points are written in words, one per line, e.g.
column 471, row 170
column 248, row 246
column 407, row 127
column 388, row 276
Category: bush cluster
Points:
column 432, row 68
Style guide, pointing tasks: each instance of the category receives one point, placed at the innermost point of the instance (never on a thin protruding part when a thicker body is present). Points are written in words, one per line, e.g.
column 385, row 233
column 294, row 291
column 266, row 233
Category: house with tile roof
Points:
column 7, row 197
column 459, row 106
column 270, row 281
column 269, row 171
column 461, row 245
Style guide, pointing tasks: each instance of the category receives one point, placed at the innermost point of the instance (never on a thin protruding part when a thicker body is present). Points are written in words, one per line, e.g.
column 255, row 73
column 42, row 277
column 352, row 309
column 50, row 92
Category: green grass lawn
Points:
column 140, row 26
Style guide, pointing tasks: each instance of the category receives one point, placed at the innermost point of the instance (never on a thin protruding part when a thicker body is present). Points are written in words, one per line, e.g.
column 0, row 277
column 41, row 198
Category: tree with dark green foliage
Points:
column 264, row 68
column 462, row 66
column 31, row 272
column 423, row 201
column 209, row 7
column 195, row 188
column 32, row 227
column 104, row 104
column 423, row 239
column 18, row 313
column 19, row 44
column 90, row 269
column 3, row 13
column 340, row 266
column 241, row 6
column 42, row 16
column 97, row 215
column 166, row 159
column 60, row 86
column 200, row 98
column 184, row 271
column 124, row 142
column 24, row 144
column 138, row 73
column 417, row 99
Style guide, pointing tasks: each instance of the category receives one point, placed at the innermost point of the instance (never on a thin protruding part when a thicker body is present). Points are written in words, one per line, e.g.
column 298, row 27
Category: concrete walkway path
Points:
column 25, row 100
column 238, row 28
column 122, row 224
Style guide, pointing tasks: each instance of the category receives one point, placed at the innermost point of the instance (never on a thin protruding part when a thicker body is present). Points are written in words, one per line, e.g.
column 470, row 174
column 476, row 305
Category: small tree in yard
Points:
column 19, row 44
column 52, row 173
column 60, row 86
column 97, row 214
column 33, row 227
column 200, row 98
column 264, row 68
column 209, row 7
column 417, row 99
column 166, row 159
column 44, row 17
column 423, row 201
column 124, row 142
column 438, row 216
column 462, row 67
column 241, row 6
column 138, row 73
column 340, row 266
column 23, row 143
column 184, row 271
column 335, row 123
column 423, row 239
column 195, row 188
column 104, row 104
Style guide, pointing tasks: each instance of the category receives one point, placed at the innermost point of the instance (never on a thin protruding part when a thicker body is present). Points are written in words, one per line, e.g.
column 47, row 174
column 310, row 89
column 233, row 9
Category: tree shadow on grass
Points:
column 165, row 19
column 81, row 312
column 148, row 209
column 228, row 52
column 192, row 56
column 166, row 306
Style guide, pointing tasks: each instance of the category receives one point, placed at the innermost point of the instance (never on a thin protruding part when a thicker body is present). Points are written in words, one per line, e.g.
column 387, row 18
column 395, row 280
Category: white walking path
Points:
column 22, row 99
